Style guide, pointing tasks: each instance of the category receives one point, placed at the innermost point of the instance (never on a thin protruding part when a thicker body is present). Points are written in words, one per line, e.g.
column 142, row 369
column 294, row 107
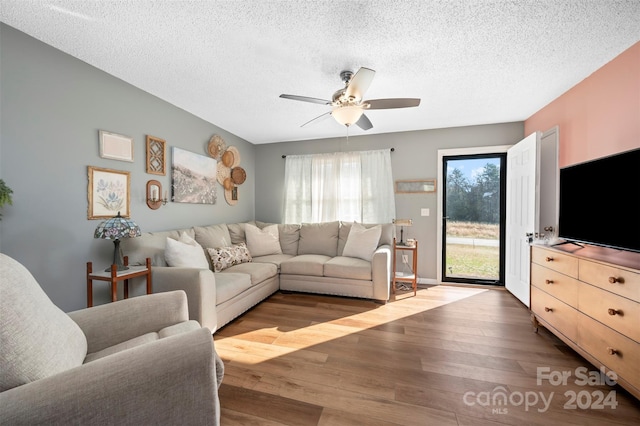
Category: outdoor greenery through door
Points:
column 473, row 219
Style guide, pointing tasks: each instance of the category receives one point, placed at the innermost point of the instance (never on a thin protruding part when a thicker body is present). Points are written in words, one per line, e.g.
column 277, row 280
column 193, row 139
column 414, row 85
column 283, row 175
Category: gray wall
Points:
column 52, row 107
column 415, row 157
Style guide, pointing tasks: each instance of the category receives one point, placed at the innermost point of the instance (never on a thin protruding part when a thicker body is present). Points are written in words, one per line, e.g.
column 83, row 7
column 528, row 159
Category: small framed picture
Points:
column 156, row 156
column 108, row 193
column 116, row 147
column 415, row 186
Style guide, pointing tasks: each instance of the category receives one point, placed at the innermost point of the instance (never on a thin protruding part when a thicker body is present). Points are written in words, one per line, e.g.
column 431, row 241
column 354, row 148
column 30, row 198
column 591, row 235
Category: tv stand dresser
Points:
column 589, row 297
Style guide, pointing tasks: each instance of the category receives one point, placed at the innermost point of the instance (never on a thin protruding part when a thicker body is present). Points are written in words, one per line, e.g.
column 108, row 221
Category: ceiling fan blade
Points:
column 393, row 103
column 305, row 99
column 360, row 82
column 364, row 123
column 318, row 118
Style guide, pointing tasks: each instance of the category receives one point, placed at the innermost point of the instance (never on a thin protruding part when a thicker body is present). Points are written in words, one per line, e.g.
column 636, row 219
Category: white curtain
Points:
column 346, row 186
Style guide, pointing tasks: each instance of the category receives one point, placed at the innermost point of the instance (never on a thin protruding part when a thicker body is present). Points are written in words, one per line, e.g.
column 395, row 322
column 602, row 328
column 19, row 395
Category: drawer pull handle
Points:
column 612, row 351
column 548, row 309
column 548, row 281
column 614, row 280
column 614, row 311
column 549, row 259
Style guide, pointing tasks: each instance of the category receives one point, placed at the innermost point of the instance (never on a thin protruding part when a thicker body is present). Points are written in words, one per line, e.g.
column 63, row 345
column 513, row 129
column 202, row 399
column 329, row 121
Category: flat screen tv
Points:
column 600, row 202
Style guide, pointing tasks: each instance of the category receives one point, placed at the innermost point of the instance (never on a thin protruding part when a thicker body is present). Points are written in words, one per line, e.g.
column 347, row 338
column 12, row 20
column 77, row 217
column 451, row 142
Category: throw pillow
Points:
column 37, row 339
column 319, row 238
column 226, row 257
column 263, row 242
column 362, row 242
column 213, row 235
column 185, row 252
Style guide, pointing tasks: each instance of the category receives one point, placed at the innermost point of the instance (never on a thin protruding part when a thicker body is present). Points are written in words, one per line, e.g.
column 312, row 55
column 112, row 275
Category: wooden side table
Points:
column 401, row 277
column 114, row 276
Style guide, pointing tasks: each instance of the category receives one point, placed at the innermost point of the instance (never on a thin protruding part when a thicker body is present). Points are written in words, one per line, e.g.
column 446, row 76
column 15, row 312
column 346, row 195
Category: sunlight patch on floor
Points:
column 264, row 344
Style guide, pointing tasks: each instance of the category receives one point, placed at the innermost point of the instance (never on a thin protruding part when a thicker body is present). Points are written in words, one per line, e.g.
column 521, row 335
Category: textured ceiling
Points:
column 470, row 61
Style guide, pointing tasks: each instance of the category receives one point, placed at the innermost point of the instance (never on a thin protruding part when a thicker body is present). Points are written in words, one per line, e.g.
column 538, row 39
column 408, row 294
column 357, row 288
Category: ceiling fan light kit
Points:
column 347, row 103
column 348, row 114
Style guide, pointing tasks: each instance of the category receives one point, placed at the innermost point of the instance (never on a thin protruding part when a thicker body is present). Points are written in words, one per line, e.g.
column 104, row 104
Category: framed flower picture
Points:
column 108, row 193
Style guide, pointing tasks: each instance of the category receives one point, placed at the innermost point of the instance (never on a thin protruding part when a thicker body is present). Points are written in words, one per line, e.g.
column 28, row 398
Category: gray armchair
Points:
column 136, row 361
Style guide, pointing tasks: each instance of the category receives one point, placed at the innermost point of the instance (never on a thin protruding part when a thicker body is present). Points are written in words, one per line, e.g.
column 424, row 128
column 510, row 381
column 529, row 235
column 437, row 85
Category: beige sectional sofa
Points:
column 235, row 266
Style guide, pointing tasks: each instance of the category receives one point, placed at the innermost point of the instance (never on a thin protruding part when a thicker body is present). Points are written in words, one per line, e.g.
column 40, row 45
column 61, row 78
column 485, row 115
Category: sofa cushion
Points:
column 276, row 259
column 319, row 238
column 229, row 285
column 37, row 339
column 152, row 245
column 226, row 257
column 289, row 238
column 362, row 242
column 387, row 233
column 185, row 252
column 305, row 264
column 262, row 242
column 348, row 267
column 236, row 231
column 257, row 271
column 213, row 236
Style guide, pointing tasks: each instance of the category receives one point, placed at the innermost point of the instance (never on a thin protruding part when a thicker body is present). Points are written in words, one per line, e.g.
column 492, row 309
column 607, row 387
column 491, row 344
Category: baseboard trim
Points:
column 428, row 281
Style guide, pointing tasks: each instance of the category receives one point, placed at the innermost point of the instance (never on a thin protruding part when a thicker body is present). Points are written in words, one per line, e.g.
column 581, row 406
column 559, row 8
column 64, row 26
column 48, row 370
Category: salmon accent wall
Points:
column 600, row 115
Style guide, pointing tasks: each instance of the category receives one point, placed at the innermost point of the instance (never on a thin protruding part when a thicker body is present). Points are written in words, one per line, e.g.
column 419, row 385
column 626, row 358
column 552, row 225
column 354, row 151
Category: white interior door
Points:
column 522, row 213
column 549, row 183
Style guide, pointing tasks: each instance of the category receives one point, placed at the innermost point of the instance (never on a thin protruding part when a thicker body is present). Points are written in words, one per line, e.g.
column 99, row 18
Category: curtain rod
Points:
column 390, row 149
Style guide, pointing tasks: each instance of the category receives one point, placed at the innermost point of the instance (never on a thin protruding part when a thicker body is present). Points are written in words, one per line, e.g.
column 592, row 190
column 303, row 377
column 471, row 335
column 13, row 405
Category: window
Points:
column 347, row 186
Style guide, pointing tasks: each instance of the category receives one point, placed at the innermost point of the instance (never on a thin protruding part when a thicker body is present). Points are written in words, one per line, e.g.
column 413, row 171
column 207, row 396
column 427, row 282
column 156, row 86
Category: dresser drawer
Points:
column 617, row 312
column 616, row 280
column 552, row 259
column 558, row 314
column 556, row 284
column 612, row 349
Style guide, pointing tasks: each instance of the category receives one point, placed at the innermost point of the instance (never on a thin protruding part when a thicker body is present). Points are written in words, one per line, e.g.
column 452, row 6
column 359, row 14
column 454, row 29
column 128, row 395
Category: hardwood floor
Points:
column 442, row 357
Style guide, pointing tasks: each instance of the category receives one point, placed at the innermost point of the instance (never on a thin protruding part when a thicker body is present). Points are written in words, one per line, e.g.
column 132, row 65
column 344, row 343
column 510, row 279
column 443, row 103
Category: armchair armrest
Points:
column 381, row 272
column 169, row 381
column 112, row 323
column 200, row 286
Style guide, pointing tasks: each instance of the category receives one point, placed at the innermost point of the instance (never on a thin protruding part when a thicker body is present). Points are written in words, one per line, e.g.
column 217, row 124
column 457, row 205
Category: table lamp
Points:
column 402, row 223
column 114, row 229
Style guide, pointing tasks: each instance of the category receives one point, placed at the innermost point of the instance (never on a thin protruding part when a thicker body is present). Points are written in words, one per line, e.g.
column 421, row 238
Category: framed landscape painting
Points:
column 194, row 177
column 108, row 193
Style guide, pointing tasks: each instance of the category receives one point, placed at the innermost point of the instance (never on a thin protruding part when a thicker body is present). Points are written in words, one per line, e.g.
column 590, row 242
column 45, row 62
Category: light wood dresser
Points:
column 590, row 299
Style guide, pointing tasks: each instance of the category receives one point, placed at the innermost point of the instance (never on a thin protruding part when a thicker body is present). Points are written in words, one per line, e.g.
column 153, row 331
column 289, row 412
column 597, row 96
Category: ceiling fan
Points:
column 347, row 105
